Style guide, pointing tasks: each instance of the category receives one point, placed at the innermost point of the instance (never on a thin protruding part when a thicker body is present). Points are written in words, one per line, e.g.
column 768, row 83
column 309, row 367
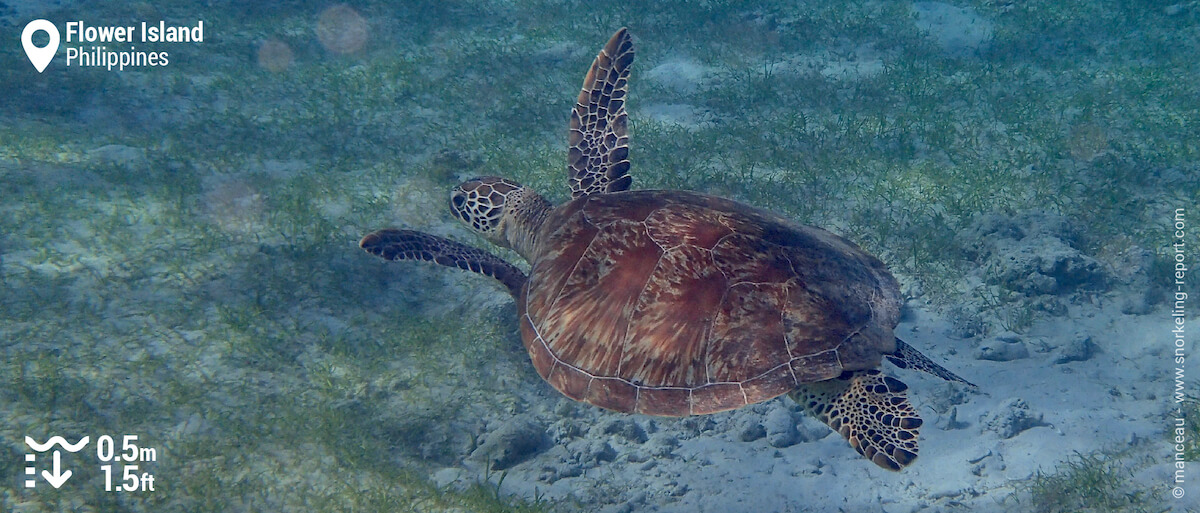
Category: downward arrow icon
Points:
column 56, row 479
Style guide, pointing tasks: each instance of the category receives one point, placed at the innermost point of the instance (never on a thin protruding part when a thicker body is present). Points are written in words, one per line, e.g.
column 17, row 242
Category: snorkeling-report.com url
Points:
column 1179, row 297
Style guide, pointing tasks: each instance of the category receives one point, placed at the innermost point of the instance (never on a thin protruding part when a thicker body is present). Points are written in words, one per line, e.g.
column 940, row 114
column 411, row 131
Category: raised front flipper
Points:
column 393, row 244
column 598, row 153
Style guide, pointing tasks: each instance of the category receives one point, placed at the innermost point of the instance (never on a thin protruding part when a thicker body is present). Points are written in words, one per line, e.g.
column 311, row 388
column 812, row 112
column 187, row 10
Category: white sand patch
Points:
column 838, row 65
column 680, row 74
column 682, row 114
column 1113, row 401
column 960, row 31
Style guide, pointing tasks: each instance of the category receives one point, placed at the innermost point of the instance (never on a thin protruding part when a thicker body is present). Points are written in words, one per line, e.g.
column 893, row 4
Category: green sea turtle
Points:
column 677, row 303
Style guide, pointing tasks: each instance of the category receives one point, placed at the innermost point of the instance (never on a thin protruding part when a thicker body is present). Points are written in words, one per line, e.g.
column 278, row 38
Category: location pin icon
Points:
column 40, row 57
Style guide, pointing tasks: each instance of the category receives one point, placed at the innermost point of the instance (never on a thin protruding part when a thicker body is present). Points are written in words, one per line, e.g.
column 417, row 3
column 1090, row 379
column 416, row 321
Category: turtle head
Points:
column 505, row 212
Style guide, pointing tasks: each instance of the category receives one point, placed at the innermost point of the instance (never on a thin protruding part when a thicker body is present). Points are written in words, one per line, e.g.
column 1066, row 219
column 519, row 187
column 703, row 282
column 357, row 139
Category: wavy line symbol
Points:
column 55, row 440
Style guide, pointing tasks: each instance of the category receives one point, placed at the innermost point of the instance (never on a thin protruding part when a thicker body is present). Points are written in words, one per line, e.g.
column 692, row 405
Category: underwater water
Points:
column 180, row 282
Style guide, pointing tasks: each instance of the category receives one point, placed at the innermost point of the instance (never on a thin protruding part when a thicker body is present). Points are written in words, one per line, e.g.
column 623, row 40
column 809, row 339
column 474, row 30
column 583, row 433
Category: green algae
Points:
column 1088, row 483
column 120, row 281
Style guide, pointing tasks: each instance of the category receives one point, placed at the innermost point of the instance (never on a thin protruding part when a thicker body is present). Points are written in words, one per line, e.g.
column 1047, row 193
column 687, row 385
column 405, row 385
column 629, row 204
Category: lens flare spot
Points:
column 342, row 30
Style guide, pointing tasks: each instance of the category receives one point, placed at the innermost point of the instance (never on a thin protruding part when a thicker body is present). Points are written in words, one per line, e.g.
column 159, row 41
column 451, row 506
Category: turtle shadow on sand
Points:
column 677, row 303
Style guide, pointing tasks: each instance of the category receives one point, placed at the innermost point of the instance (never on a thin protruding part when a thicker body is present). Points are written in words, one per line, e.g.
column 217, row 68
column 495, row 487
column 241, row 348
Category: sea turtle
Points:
column 678, row 303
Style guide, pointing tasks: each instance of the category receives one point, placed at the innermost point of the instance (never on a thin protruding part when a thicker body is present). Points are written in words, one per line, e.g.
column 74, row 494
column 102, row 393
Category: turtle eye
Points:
column 457, row 200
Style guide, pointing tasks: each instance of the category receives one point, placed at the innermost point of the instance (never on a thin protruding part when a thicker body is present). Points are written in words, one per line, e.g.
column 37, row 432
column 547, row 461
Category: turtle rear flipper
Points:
column 870, row 410
column 907, row 357
column 393, row 244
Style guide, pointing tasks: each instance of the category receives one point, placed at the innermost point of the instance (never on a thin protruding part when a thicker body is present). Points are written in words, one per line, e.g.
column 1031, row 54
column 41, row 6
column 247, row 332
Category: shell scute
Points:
column 614, row 394
column 717, row 397
column 747, row 336
column 669, row 326
column 745, row 258
column 812, row 324
column 773, row 383
column 610, row 208
column 664, row 401
column 686, row 224
column 679, row 303
column 539, row 353
column 564, row 246
column 816, row 367
column 572, row 382
column 588, row 319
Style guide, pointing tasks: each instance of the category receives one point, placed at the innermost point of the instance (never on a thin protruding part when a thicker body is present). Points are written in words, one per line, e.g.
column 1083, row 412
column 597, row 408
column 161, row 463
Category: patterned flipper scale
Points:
column 393, row 244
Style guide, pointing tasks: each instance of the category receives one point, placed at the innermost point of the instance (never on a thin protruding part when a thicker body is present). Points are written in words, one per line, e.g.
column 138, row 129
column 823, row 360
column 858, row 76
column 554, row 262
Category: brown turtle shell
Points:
column 677, row 303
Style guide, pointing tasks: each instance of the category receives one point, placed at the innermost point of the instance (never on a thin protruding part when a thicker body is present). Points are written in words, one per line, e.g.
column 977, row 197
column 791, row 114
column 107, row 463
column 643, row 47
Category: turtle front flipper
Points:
column 393, row 244
column 870, row 410
column 907, row 357
column 598, row 152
